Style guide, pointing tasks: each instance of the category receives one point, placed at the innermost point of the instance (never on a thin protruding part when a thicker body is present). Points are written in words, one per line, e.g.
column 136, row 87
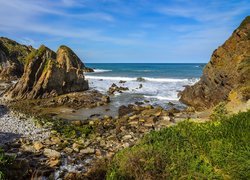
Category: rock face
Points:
column 50, row 74
column 227, row 76
column 12, row 58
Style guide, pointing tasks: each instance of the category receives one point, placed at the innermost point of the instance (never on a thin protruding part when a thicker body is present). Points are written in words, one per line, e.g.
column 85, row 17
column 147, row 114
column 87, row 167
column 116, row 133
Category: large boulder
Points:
column 49, row 74
column 12, row 58
column 226, row 76
column 68, row 59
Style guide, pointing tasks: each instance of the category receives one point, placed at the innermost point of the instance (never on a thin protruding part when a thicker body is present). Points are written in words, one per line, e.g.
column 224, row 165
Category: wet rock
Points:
column 140, row 79
column 122, row 82
column 124, row 110
column 114, row 88
column 105, row 99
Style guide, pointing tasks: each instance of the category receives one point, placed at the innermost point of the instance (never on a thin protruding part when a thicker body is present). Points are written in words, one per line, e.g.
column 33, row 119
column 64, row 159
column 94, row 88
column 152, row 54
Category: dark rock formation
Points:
column 227, row 75
column 12, row 58
column 114, row 88
column 48, row 74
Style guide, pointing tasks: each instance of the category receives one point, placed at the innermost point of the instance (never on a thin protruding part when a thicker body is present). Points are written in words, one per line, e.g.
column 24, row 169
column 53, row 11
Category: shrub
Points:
column 220, row 112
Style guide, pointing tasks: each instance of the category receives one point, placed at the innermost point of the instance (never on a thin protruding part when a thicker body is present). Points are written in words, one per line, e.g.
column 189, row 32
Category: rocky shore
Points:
column 64, row 147
column 46, row 146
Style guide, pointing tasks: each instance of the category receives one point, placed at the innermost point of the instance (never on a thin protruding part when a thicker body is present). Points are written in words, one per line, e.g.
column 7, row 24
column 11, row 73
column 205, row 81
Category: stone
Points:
column 114, row 88
column 28, row 148
column 133, row 117
column 127, row 137
column 124, row 110
column 149, row 122
column 98, row 152
column 105, row 99
column 50, row 153
column 54, row 162
column 87, row 151
column 68, row 150
column 76, row 147
column 77, row 122
column 55, row 140
column 38, row 145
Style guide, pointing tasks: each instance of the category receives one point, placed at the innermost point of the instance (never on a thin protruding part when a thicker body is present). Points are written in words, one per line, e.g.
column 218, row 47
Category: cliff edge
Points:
column 227, row 75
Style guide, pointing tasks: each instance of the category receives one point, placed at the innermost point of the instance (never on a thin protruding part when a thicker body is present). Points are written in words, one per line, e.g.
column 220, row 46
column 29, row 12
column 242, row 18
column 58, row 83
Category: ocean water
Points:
column 161, row 82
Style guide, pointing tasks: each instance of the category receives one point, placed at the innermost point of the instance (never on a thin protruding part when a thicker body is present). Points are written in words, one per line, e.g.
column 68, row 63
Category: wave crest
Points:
column 144, row 78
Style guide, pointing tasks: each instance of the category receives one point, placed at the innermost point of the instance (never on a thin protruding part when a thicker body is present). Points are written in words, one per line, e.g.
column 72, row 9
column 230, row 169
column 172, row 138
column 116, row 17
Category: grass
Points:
column 5, row 161
column 219, row 149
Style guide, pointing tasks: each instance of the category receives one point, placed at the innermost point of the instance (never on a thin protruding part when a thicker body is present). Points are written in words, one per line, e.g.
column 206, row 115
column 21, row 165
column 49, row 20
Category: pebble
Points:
column 14, row 126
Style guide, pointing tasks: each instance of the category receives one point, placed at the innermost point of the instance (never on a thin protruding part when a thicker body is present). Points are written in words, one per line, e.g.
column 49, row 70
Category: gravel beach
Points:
column 14, row 126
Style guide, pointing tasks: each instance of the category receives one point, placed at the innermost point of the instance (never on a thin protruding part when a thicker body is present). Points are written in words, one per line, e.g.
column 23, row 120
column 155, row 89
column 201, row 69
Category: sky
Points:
column 130, row 31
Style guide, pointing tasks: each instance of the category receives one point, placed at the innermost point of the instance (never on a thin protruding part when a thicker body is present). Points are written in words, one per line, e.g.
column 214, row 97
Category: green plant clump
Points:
column 218, row 149
column 5, row 161
column 65, row 128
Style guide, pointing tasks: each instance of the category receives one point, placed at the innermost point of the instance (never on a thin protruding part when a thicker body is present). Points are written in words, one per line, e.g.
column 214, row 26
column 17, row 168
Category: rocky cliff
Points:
column 50, row 74
column 227, row 75
column 12, row 58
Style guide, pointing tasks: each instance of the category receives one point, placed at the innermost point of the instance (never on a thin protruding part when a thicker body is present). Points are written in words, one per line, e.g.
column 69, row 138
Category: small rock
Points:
column 105, row 99
column 77, row 122
column 68, row 150
column 87, row 151
column 38, row 145
column 50, row 153
column 54, row 162
column 127, row 137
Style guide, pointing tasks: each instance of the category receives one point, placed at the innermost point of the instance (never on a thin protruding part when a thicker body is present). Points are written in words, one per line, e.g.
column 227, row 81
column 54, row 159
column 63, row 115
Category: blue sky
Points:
column 143, row 31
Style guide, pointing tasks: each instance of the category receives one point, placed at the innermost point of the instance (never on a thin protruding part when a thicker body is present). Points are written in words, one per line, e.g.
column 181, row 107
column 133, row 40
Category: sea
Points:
column 154, row 83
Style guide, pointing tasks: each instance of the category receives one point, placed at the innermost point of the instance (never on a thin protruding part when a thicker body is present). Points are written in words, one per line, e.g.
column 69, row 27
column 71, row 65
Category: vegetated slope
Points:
column 12, row 58
column 211, row 150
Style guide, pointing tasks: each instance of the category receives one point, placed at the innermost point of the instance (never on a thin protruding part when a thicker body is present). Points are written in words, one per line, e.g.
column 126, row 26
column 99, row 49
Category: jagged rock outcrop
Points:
column 227, row 75
column 12, row 58
column 50, row 74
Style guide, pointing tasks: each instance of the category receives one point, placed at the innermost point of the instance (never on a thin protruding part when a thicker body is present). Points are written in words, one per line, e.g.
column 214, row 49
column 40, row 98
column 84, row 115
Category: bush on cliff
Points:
column 217, row 149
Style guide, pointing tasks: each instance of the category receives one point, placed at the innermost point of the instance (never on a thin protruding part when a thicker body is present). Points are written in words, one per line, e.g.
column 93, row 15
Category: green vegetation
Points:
column 245, row 22
column 65, row 128
column 5, row 161
column 13, row 48
column 220, row 112
column 219, row 149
